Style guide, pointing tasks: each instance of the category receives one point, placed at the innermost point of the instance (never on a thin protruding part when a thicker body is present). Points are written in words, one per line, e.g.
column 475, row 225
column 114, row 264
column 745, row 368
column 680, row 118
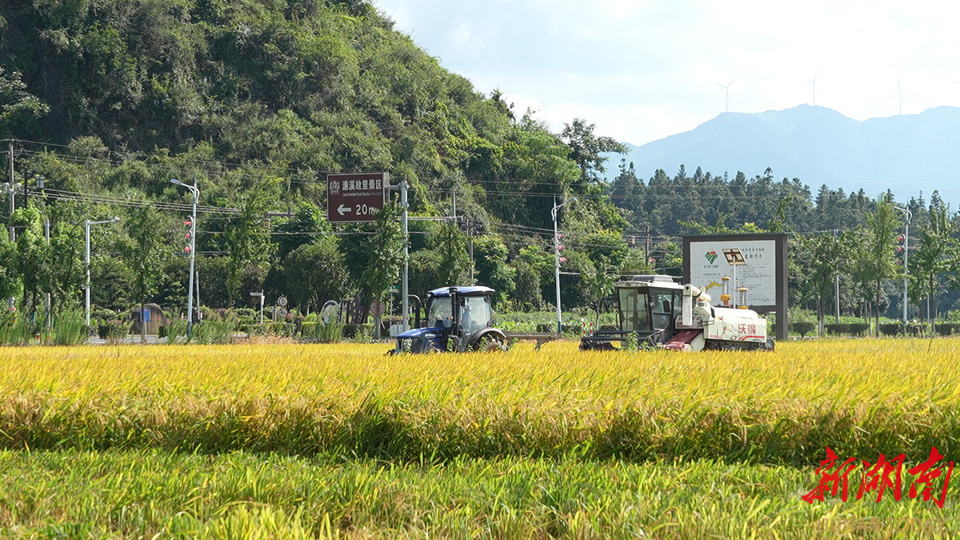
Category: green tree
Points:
column 936, row 255
column 247, row 240
column 32, row 255
column 144, row 254
column 819, row 259
column 317, row 272
column 877, row 259
column 18, row 108
column 493, row 270
column 383, row 254
column 9, row 278
column 586, row 149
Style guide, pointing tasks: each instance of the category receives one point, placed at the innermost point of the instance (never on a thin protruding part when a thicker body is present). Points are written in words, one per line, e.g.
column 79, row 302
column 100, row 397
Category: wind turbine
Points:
column 899, row 94
column 814, row 83
column 726, row 92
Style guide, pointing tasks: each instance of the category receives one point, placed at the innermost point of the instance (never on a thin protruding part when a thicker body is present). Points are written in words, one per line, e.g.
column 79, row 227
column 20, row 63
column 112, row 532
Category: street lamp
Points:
column 908, row 215
column 86, row 230
column 556, row 256
column 193, row 245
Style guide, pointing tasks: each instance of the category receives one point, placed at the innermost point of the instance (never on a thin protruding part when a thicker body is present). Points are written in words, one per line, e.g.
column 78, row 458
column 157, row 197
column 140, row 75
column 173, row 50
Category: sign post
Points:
column 355, row 198
column 259, row 295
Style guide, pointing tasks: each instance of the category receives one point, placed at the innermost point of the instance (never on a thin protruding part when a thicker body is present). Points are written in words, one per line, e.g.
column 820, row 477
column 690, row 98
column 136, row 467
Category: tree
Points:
column 143, row 253
column 877, row 259
column 936, row 254
column 586, row 149
column 317, row 272
column 490, row 254
column 247, row 240
column 17, row 106
column 9, row 278
column 383, row 254
column 33, row 255
column 819, row 260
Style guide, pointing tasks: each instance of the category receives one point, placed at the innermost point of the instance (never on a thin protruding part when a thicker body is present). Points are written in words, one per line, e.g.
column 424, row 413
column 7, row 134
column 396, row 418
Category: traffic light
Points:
column 559, row 247
column 900, row 249
column 188, row 236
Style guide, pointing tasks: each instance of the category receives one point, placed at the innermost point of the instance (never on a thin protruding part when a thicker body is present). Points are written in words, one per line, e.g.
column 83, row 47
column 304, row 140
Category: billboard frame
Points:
column 780, row 271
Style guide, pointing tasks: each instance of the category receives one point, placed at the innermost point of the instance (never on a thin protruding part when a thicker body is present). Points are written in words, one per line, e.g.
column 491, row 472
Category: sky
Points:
column 643, row 70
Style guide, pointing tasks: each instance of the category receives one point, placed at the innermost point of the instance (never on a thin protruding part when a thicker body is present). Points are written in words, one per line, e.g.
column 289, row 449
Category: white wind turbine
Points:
column 726, row 92
column 814, row 83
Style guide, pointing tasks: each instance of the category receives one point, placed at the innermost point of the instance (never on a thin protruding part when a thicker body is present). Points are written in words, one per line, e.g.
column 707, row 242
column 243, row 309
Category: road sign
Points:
column 355, row 197
column 282, row 301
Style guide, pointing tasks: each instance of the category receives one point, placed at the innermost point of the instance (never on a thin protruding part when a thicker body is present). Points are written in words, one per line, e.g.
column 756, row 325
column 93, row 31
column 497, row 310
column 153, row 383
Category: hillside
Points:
column 905, row 154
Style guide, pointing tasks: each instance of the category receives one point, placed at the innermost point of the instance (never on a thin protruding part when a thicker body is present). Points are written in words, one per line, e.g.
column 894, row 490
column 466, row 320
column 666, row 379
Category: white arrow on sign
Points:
column 343, row 209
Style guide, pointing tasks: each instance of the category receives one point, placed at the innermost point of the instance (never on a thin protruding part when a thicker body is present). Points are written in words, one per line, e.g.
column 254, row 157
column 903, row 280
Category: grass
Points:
column 859, row 397
column 242, row 495
column 291, row 440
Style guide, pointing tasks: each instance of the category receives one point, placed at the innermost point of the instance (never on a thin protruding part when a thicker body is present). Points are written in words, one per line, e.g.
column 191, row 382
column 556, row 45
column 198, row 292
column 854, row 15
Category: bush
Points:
column 948, row 329
column 114, row 331
column 70, row 328
column 174, row 331
column 214, row 331
column 802, row 327
column 859, row 329
column 891, row 329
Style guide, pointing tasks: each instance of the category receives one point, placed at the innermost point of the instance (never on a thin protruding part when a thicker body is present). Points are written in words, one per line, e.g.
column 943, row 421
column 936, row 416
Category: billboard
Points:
column 757, row 262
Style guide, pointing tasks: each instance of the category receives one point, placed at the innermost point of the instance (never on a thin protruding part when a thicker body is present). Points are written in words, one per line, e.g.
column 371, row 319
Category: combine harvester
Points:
column 658, row 312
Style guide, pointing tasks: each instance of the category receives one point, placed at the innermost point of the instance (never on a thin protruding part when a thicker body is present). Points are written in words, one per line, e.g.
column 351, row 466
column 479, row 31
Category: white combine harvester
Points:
column 658, row 312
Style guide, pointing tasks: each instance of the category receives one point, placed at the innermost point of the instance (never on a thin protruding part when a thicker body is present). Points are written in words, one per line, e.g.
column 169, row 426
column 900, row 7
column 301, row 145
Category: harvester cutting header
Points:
column 657, row 311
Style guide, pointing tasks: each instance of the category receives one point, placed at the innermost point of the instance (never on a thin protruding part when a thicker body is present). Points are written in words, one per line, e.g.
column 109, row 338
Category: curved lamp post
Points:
column 193, row 245
column 556, row 256
column 908, row 215
column 86, row 230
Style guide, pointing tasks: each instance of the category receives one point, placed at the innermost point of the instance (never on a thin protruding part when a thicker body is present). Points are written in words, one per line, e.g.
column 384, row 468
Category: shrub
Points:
column 802, row 327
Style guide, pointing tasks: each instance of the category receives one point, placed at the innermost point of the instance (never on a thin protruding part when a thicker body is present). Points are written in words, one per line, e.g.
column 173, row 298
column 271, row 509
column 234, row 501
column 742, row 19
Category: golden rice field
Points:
column 241, row 441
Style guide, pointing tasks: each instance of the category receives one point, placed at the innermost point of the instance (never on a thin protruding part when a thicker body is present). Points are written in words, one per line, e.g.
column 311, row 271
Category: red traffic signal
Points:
column 186, row 249
column 563, row 260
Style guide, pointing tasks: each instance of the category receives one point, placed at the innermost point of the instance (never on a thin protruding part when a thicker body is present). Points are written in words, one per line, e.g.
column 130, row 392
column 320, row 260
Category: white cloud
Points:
column 645, row 69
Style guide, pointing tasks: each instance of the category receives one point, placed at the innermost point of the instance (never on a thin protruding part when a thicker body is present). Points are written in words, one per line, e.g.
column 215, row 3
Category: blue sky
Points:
column 643, row 70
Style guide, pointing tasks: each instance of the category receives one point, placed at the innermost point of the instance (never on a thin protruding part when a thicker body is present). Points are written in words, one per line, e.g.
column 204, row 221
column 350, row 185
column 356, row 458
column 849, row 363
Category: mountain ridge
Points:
column 909, row 155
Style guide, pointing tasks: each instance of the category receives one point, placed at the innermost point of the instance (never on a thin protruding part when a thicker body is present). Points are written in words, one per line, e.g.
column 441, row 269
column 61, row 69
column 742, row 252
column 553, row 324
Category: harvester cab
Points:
column 657, row 311
column 458, row 319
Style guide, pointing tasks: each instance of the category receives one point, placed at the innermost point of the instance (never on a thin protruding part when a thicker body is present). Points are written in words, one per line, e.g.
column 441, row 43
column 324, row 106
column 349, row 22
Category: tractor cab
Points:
column 647, row 306
column 458, row 319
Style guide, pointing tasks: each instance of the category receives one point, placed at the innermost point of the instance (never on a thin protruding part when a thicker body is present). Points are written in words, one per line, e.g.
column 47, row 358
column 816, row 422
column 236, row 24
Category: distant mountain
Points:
column 906, row 154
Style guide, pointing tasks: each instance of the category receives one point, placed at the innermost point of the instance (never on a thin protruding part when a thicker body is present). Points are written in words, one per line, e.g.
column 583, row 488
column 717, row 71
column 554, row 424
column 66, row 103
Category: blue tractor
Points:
column 459, row 319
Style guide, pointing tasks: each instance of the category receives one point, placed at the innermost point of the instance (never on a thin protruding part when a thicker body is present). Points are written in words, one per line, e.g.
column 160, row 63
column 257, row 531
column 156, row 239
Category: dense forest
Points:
column 104, row 102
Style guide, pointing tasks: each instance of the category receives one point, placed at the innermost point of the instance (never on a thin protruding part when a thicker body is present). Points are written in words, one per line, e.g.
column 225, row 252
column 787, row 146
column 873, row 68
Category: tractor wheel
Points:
column 489, row 343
